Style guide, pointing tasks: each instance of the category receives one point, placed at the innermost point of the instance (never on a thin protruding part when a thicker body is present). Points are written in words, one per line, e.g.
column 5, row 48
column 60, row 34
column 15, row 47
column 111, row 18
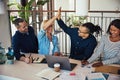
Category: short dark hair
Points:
column 115, row 23
column 92, row 28
column 17, row 21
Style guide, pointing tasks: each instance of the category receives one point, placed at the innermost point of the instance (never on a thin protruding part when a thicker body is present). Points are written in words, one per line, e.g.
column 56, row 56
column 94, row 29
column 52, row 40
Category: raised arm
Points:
column 58, row 16
column 50, row 21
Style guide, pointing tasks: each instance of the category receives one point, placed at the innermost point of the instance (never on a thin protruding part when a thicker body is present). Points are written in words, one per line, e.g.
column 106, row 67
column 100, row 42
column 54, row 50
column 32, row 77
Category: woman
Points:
column 83, row 41
column 48, row 43
column 109, row 46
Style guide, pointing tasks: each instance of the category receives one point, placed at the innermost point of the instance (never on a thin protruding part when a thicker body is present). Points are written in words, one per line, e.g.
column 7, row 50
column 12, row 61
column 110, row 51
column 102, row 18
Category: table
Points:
column 113, row 69
column 26, row 71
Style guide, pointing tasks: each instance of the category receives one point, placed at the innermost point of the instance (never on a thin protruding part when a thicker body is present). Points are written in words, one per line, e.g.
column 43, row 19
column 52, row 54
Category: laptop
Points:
column 63, row 61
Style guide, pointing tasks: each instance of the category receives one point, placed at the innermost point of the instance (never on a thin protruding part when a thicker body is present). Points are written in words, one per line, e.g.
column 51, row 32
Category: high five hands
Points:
column 58, row 16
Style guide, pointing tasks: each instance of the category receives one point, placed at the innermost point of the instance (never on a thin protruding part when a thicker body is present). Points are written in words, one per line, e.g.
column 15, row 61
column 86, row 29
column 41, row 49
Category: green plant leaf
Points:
column 12, row 18
column 30, row 2
column 11, row 4
column 42, row 2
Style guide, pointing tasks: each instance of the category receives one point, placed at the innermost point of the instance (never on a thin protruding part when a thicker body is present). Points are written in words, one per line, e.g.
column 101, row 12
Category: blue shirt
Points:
column 24, row 42
column 44, row 43
column 80, row 48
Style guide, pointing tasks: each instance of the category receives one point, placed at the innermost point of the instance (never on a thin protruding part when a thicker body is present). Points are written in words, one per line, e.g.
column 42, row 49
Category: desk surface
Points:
column 113, row 69
column 27, row 71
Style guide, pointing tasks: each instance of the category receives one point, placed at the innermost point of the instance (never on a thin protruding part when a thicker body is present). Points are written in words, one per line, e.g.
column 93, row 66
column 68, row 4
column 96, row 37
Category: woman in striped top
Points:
column 109, row 46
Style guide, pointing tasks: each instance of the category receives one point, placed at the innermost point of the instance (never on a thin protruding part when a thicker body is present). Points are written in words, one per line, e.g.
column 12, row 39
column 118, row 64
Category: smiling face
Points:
column 114, row 31
column 23, row 27
column 83, row 32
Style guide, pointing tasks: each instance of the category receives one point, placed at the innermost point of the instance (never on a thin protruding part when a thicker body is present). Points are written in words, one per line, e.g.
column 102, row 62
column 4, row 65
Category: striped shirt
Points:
column 109, row 49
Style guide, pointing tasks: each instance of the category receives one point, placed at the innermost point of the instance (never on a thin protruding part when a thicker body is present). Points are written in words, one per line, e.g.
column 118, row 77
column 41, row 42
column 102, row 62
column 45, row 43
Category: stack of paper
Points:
column 95, row 76
column 114, row 77
column 67, row 76
column 48, row 73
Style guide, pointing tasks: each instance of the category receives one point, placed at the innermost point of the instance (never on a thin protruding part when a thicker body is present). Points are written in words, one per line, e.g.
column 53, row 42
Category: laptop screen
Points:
column 63, row 61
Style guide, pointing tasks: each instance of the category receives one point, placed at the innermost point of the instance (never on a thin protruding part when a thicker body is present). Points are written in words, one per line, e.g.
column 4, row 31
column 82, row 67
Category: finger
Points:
column 60, row 8
column 27, row 60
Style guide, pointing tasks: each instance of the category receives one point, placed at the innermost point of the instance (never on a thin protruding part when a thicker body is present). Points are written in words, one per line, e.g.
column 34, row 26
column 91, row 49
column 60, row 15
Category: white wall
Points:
column 97, row 5
column 4, row 30
column 61, row 3
column 107, row 5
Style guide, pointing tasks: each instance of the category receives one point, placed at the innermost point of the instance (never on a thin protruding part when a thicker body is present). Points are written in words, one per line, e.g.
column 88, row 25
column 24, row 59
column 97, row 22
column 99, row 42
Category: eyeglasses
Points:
column 83, row 32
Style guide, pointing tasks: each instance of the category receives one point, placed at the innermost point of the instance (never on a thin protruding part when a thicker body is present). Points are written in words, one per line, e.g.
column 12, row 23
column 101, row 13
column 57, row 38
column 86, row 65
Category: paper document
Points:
column 95, row 76
column 114, row 77
column 67, row 76
column 48, row 74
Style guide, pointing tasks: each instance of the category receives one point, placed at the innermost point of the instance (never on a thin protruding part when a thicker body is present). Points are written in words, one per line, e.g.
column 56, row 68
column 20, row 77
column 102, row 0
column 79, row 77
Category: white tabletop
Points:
column 26, row 71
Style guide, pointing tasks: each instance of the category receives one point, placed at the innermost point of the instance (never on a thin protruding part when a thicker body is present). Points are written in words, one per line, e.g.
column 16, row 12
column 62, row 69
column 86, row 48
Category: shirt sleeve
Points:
column 65, row 28
column 16, row 48
column 41, row 34
column 90, row 49
column 98, row 50
column 115, row 59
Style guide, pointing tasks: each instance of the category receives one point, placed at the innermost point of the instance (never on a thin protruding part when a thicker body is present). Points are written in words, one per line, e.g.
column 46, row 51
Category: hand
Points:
column 84, row 62
column 28, row 60
column 58, row 54
column 98, row 64
column 59, row 14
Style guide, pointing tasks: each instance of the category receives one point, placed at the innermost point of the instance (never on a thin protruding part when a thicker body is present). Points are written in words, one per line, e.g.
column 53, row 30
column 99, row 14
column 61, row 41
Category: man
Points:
column 24, row 40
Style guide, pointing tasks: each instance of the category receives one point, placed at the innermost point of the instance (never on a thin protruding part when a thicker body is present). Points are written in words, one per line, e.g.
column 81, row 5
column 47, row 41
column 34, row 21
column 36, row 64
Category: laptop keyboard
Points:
column 73, row 65
column 43, row 60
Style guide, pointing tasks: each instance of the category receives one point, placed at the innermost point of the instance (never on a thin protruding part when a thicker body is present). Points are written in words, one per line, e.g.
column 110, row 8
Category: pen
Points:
column 37, row 58
column 44, row 78
column 29, row 55
column 33, row 59
column 82, row 65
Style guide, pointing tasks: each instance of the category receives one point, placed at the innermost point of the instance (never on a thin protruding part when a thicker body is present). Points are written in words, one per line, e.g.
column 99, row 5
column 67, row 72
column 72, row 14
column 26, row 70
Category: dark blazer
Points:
column 80, row 48
column 24, row 42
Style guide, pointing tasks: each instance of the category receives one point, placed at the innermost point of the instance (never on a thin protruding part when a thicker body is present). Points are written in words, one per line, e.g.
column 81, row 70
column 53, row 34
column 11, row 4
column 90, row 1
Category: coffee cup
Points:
column 57, row 67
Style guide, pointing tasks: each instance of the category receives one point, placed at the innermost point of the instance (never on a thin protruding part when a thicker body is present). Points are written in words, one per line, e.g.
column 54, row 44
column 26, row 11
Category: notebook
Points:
column 63, row 61
column 95, row 76
column 48, row 74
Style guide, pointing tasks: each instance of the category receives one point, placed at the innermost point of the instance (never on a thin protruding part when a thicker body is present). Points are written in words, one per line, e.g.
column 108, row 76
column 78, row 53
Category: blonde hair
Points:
column 44, row 22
